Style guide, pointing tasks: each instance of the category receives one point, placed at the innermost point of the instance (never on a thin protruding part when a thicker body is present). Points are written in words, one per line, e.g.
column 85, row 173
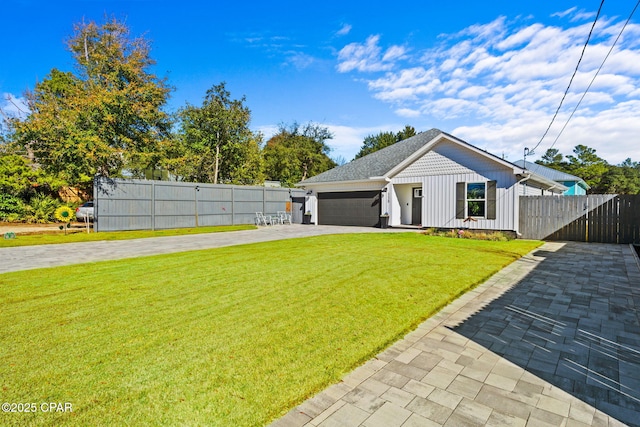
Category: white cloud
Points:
column 500, row 83
column 490, row 30
column 299, row 60
column 565, row 13
column 408, row 112
column 521, row 37
column 613, row 133
column 473, row 91
column 575, row 15
column 346, row 29
column 583, row 16
column 393, row 53
column 368, row 56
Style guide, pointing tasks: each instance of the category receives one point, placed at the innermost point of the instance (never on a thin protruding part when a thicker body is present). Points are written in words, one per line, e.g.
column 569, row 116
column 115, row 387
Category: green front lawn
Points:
column 81, row 236
column 234, row 336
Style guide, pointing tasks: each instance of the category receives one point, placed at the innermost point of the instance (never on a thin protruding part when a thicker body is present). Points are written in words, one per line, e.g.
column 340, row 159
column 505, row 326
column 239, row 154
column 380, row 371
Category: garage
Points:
column 359, row 208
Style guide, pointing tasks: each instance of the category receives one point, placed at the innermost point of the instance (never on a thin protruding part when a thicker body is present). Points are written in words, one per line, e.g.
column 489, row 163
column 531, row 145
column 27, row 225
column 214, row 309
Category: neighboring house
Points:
column 575, row 185
column 432, row 179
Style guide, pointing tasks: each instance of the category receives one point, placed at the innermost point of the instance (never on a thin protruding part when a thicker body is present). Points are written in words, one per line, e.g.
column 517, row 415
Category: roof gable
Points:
column 447, row 157
column 376, row 164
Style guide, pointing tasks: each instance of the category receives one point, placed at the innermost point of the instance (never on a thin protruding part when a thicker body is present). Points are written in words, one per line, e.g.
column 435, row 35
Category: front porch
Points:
column 405, row 204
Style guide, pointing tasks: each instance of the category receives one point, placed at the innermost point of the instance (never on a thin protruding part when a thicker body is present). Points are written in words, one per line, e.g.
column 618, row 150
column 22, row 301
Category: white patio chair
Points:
column 284, row 217
column 262, row 219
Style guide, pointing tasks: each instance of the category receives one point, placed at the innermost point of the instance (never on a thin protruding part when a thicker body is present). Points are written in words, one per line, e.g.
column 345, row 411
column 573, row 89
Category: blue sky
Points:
column 491, row 73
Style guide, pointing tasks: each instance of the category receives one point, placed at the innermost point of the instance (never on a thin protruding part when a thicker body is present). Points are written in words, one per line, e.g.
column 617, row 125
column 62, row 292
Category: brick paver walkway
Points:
column 551, row 340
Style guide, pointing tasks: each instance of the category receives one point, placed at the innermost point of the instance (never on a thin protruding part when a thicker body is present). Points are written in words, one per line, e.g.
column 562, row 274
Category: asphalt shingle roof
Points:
column 377, row 163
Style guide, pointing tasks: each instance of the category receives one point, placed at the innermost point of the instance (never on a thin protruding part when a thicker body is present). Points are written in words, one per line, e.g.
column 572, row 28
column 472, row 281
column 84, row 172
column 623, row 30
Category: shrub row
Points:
column 39, row 208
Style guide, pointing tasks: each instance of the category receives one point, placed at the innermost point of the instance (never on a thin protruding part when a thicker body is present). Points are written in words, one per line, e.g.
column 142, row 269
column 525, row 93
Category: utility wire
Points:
column 570, row 81
column 596, row 75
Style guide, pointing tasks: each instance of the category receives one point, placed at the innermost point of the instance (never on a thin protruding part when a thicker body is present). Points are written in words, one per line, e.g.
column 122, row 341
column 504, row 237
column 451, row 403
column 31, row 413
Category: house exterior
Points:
column 432, row 179
column 575, row 185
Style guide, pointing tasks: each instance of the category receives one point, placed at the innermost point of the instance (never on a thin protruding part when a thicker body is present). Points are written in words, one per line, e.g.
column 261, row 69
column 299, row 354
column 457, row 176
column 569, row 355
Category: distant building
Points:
column 575, row 185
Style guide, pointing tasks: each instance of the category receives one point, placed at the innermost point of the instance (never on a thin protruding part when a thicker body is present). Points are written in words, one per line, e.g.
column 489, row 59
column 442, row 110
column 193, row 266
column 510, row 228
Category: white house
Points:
column 432, row 179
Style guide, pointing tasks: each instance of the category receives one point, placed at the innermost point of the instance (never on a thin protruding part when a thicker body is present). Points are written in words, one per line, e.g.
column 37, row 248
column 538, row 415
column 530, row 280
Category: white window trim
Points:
column 467, row 200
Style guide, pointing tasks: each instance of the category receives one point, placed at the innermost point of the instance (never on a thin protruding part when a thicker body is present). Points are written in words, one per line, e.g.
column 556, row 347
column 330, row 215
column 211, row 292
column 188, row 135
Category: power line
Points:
column 596, row 75
column 570, row 81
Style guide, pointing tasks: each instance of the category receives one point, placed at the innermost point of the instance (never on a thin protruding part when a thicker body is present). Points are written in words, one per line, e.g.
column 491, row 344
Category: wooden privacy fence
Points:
column 603, row 218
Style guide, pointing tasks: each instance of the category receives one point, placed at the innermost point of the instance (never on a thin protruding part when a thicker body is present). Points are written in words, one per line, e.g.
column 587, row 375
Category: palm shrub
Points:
column 12, row 208
column 41, row 209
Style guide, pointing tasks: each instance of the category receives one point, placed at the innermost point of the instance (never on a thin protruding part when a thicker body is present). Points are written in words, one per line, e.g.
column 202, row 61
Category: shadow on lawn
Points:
column 574, row 322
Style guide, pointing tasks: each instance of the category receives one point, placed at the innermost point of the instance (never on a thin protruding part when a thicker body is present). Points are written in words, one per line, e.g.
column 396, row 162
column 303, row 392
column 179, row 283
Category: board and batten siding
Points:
column 439, row 200
column 438, row 172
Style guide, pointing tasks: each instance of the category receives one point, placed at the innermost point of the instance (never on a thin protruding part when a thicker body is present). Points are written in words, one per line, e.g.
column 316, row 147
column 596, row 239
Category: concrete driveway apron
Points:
column 551, row 340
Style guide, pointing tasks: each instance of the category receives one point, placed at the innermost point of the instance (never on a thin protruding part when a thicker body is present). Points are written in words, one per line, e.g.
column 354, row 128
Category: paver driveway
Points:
column 28, row 257
column 551, row 340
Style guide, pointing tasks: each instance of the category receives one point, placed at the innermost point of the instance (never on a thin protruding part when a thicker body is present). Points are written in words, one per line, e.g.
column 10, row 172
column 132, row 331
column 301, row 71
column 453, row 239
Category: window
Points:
column 417, row 193
column 476, row 199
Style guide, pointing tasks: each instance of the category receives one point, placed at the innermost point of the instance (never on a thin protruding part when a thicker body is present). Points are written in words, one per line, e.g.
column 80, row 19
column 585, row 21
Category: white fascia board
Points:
column 545, row 183
column 333, row 183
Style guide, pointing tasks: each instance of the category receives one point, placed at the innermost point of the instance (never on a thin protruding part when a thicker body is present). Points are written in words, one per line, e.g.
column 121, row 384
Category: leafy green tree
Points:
column 297, row 152
column 104, row 118
column 377, row 142
column 405, row 133
column 217, row 144
column 586, row 164
column 601, row 176
column 622, row 179
column 552, row 158
column 20, row 178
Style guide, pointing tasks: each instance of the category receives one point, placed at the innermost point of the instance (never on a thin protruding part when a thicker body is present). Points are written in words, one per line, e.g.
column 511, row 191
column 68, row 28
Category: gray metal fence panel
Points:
column 147, row 205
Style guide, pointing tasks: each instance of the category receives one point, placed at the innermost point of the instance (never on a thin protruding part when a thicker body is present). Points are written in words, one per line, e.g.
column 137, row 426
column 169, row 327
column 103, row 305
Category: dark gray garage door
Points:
column 360, row 208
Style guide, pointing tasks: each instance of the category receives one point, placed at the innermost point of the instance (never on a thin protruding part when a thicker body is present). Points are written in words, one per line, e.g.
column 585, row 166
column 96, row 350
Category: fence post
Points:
column 96, row 184
column 195, row 201
column 586, row 223
column 153, row 206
